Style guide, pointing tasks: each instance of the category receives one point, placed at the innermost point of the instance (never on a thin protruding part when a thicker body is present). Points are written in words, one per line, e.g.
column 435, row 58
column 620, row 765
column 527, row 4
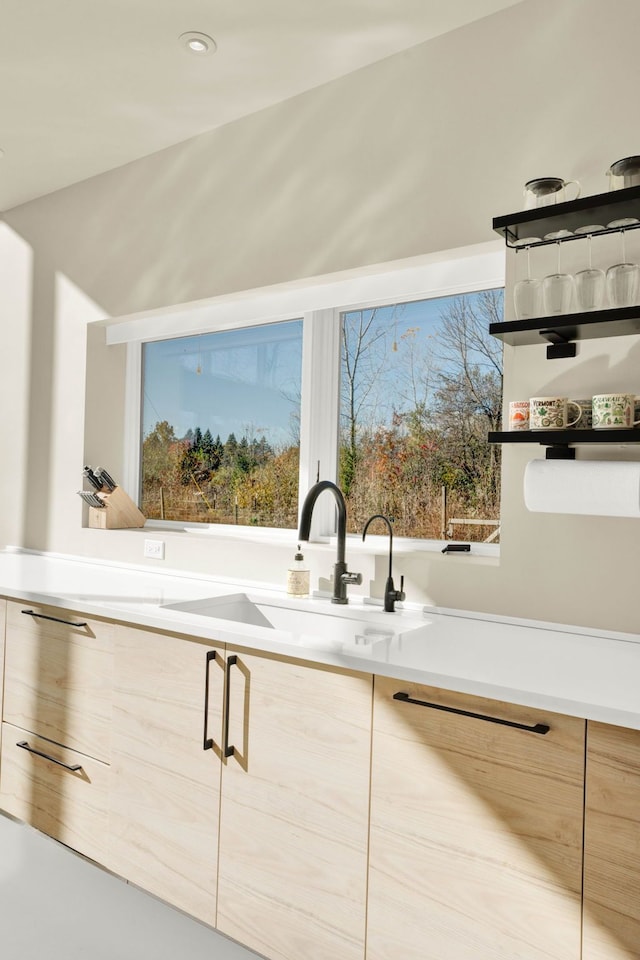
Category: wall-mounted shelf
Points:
column 603, row 208
column 568, row 328
column 561, row 443
column 562, row 332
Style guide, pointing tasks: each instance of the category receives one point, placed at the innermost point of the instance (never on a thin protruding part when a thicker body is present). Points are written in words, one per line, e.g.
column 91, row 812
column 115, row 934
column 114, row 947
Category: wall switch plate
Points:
column 154, row 549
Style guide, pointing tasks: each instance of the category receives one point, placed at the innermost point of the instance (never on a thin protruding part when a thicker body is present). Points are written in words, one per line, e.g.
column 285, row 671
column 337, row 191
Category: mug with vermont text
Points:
column 613, row 411
column 552, row 413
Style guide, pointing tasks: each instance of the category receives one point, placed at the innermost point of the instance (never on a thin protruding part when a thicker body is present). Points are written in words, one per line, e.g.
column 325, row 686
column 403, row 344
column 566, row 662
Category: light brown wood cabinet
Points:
column 59, row 677
column 59, row 791
column 612, row 844
column 56, row 734
column 446, row 834
column 476, row 829
column 165, row 786
column 294, row 811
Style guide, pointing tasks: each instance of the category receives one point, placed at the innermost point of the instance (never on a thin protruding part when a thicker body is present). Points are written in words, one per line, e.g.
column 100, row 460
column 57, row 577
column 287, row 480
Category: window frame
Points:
column 320, row 303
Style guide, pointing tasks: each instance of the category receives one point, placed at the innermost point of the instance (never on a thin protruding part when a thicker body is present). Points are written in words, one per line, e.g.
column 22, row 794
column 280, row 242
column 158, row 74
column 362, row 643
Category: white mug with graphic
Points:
column 613, row 411
column 552, row 413
column 586, row 420
column 519, row 415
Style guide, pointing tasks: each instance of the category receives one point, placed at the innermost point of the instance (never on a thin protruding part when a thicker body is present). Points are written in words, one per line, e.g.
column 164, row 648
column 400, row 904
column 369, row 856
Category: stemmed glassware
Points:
column 590, row 282
column 527, row 293
column 623, row 280
column 557, row 291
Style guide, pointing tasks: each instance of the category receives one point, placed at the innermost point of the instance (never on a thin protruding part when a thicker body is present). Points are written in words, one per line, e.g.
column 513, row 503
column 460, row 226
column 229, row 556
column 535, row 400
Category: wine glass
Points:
column 623, row 280
column 557, row 291
column 526, row 293
column 590, row 282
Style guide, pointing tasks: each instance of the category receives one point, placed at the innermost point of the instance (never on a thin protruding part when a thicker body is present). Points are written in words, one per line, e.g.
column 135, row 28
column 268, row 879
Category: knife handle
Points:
column 105, row 479
column 91, row 477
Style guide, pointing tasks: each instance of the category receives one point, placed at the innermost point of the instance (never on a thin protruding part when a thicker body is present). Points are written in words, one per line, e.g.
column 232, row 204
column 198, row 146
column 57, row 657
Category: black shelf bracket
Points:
column 560, row 451
column 561, row 351
column 560, row 347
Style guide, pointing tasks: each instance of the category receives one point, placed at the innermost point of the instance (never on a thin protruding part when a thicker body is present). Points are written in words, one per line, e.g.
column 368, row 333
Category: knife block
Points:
column 119, row 512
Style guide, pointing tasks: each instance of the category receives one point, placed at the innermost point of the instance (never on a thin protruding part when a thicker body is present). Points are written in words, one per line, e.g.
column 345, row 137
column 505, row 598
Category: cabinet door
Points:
column 294, row 813
column 612, row 844
column 476, row 830
column 165, row 785
column 59, row 676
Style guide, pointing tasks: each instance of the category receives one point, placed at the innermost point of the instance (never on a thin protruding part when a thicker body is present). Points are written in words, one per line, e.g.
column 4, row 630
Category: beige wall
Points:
column 412, row 155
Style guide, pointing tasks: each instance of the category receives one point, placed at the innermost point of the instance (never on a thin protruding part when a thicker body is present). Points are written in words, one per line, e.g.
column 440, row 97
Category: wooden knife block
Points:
column 119, row 513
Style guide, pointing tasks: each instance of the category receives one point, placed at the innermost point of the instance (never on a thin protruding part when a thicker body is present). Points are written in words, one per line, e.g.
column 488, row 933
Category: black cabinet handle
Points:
column 43, row 616
column 73, row 767
column 207, row 741
column 228, row 750
column 541, row 728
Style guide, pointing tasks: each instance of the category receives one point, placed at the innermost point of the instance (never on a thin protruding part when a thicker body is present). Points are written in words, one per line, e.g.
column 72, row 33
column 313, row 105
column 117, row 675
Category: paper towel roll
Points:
column 601, row 488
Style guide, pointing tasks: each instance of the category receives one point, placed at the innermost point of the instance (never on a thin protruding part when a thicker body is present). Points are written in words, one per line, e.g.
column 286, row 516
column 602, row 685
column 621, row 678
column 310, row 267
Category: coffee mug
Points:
column 586, row 418
column 519, row 415
column 613, row 411
column 551, row 413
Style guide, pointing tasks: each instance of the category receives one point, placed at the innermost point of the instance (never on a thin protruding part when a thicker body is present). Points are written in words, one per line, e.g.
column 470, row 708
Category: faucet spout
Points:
column 341, row 576
column 390, row 592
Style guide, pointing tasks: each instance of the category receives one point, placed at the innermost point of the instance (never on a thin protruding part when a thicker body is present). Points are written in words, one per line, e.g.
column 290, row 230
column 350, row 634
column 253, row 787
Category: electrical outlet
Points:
column 154, row 549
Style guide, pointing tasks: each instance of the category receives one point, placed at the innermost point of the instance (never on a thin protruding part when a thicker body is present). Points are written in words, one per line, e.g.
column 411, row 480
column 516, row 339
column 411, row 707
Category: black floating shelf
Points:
column 561, row 442
column 569, row 327
column 601, row 209
column 626, row 435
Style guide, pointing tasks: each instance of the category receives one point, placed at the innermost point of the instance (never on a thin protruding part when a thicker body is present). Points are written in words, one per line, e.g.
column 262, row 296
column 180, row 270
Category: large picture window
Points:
column 392, row 399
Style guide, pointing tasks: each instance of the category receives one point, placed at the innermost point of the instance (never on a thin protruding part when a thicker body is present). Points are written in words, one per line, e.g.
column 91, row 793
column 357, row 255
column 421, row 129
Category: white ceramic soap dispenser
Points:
column 298, row 577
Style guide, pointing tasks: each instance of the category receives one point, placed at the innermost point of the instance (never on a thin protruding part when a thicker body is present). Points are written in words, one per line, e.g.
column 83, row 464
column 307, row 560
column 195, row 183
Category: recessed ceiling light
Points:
column 198, row 43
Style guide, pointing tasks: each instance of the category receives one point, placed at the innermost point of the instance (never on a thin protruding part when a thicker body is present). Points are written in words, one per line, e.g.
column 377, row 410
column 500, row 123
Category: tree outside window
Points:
column 421, row 386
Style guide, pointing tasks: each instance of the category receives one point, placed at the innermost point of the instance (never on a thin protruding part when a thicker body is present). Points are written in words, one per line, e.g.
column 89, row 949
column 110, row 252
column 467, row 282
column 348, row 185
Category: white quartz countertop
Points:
column 583, row 673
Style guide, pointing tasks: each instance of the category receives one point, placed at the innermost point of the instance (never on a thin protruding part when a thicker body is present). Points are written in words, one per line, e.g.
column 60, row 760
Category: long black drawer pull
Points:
column 207, row 741
column 73, row 767
column 228, row 750
column 541, row 728
column 44, row 616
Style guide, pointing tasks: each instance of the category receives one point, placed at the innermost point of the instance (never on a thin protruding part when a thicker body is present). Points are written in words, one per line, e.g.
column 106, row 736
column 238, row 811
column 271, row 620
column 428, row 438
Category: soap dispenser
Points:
column 298, row 577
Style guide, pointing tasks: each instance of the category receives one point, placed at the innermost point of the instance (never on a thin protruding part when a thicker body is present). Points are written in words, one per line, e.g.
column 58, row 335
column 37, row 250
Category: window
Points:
column 246, row 401
column 421, row 386
column 220, row 426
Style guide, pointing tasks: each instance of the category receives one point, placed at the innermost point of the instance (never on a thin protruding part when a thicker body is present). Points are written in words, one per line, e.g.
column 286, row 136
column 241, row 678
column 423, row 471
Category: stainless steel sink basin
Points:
column 331, row 628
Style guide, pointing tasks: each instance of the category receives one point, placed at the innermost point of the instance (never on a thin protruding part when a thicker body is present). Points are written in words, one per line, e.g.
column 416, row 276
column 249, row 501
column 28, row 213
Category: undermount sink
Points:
column 328, row 628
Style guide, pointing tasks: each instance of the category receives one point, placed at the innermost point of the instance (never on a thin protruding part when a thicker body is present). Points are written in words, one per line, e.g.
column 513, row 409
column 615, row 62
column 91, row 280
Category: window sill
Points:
column 374, row 544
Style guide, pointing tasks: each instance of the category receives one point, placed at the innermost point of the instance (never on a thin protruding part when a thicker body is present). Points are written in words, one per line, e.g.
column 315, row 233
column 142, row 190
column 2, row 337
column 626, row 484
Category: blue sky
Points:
column 247, row 381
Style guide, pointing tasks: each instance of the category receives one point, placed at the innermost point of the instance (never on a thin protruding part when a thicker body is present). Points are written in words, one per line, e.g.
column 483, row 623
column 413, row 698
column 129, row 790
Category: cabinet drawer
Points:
column 67, row 804
column 59, row 677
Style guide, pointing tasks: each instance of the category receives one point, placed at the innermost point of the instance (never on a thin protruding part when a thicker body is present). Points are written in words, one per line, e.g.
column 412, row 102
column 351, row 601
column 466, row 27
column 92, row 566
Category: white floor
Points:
column 56, row 906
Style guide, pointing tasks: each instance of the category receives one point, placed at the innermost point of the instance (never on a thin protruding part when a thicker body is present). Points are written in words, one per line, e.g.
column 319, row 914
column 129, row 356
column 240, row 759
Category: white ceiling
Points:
column 88, row 85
